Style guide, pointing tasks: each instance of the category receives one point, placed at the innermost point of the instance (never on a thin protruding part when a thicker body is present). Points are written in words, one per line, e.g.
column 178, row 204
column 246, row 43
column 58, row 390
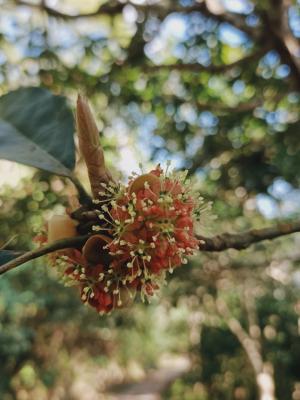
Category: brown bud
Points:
column 90, row 146
column 61, row 227
column 139, row 183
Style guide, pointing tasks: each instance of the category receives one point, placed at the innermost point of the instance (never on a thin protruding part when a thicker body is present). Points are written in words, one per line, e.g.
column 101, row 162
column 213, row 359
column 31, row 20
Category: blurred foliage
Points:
column 234, row 126
column 39, row 141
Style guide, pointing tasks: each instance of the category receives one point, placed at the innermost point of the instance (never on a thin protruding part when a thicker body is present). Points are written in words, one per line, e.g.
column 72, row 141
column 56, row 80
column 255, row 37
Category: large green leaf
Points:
column 37, row 129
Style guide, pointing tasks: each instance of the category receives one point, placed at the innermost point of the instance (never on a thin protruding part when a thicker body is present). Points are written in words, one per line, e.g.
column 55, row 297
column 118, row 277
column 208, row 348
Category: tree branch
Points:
column 243, row 337
column 101, row 10
column 279, row 33
column 195, row 67
column 216, row 243
column 218, row 107
column 234, row 19
column 241, row 107
column 207, row 8
column 83, row 196
column 73, row 242
column 252, row 350
column 291, row 42
column 245, row 239
column 222, row 108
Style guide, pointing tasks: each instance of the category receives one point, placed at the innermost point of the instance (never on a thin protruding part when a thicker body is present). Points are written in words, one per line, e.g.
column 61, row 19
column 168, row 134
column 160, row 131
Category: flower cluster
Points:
column 143, row 230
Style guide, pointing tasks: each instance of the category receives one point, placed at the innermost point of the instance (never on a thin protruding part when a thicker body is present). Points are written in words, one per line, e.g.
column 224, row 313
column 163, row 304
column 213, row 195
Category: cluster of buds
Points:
column 143, row 230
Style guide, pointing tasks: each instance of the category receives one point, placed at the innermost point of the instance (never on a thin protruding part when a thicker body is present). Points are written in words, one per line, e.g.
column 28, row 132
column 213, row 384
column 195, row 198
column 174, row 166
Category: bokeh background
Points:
column 213, row 86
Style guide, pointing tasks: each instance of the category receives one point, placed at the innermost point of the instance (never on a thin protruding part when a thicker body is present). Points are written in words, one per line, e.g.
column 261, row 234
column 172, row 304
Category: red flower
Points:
column 151, row 223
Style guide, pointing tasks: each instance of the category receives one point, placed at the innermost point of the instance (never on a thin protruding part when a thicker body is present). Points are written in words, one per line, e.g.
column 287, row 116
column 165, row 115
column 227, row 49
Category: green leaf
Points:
column 37, row 129
column 8, row 255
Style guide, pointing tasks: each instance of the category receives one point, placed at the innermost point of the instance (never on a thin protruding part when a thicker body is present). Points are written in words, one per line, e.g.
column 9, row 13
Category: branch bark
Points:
column 217, row 108
column 73, row 242
column 245, row 239
column 216, row 243
column 243, row 337
column 264, row 378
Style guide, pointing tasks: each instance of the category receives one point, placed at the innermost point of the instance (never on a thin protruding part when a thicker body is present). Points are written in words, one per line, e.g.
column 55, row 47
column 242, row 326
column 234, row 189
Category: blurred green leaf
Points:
column 7, row 255
column 36, row 129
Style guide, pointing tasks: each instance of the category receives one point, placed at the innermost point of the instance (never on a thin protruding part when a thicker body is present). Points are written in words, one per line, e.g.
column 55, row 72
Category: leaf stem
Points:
column 84, row 197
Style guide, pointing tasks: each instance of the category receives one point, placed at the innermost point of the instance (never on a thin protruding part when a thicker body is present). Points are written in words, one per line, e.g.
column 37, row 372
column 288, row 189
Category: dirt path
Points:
column 155, row 382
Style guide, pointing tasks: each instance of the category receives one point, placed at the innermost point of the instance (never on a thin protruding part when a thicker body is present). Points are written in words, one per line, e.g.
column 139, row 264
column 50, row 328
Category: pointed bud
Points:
column 90, row 146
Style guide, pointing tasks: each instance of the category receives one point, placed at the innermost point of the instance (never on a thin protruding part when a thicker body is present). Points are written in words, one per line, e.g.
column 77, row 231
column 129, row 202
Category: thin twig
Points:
column 73, row 242
column 219, row 108
column 83, row 196
column 216, row 243
column 196, row 67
